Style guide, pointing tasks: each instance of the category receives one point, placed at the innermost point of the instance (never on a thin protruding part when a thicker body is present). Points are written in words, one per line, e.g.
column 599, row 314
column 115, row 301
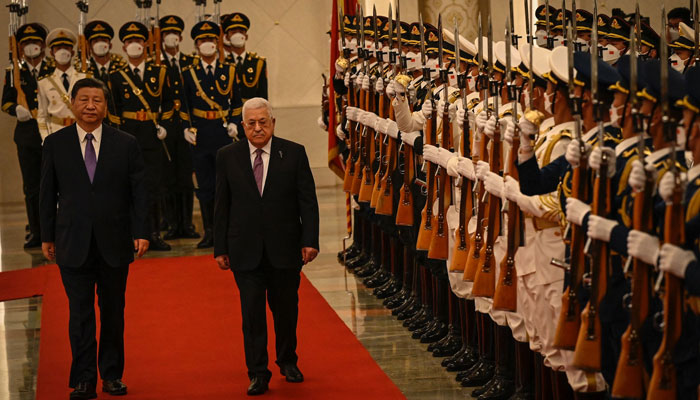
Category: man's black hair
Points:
column 89, row 83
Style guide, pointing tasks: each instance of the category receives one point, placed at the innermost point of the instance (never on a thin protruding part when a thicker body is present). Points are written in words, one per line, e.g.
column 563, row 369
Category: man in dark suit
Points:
column 266, row 229
column 93, row 205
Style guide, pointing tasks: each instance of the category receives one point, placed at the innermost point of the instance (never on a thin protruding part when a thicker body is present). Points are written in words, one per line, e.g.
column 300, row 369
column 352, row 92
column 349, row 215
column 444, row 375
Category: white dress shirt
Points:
column 243, row 56
column 97, row 133
column 141, row 67
column 205, row 65
column 265, row 158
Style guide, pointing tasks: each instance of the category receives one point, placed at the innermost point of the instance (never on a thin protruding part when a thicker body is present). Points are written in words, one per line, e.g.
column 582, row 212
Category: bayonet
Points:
column 634, row 100
column 531, row 74
column 392, row 53
column 341, row 28
column 493, row 85
column 401, row 57
column 669, row 125
column 461, row 78
column 696, row 25
column 550, row 40
column 426, row 68
column 377, row 51
column 574, row 34
column 362, row 51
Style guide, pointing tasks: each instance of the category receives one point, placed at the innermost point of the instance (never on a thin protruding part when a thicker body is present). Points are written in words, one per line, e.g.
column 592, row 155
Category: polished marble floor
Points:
column 405, row 361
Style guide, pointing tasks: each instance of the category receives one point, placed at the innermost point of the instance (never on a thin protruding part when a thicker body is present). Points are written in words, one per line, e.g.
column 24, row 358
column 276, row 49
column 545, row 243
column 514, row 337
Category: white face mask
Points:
column 525, row 96
column 134, row 50
column 412, row 61
column 558, row 41
column 63, row 56
column 207, row 49
column 385, row 55
column 100, row 48
column 452, row 77
column 584, row 45
column 32, row 50
column 548, row 103
column 238, row 40
column 673, row 34
column 376, row 50
column 615, row 116
column 471, row 83
column 171, row 40
column 541, row 38
column 611, row 54
column 677, row 62
column 680, row 137
column 352, row 45
column 434, row 66
column 226, row 41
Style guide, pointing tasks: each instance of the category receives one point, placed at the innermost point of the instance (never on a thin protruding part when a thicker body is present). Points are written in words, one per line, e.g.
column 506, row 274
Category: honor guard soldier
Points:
column 251, row 69
column 54, row 89
column 213, row 110
column 99, row 35
column 179, row 189
column 143, row 99
column 31, row 43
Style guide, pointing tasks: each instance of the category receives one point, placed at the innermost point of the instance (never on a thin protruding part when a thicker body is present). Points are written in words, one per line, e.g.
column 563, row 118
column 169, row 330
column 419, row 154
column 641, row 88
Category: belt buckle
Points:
column 211, row 115
column 141, row 115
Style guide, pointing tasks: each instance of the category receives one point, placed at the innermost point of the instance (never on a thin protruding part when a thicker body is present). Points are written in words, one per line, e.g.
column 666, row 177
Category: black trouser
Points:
column 30, row 165
column 280, row 286
column 79, row 284
column 177, row 173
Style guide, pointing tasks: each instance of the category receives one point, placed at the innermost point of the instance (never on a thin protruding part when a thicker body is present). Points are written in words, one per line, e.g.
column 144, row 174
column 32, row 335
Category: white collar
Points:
column 693, row 172
column 205, row 65
column 140, row 67
column 242, row 55
column 105, row 65
column 627, row 144
column 97, row 133
column 593, row 131
column 657, row 155
column 37, row 68
column 57, row 72
column 267, row 148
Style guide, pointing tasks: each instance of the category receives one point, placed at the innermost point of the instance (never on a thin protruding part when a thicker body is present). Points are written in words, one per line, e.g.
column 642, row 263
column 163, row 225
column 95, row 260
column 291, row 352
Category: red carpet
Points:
column 184, row 340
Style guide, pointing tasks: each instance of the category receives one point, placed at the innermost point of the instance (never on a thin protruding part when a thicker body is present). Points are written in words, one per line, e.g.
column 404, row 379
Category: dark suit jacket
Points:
column 112, row 208
column 280, row 222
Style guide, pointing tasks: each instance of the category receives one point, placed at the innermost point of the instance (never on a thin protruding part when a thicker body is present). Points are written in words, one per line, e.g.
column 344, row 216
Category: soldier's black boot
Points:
column 156, row 242
column 187, row 230
column 354, row 249
column 468, row 356
column 562, row 389
column 524, row 375
column 452, row 343
column 501, row 386
column 440, row 294
column 171, row 212
column 208, row 222
column 483, row 371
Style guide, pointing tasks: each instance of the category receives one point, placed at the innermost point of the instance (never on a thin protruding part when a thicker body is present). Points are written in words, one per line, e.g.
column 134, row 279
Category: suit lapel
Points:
column 276, row 156
column 103, row 156
column 78, row 154
column 247, row 168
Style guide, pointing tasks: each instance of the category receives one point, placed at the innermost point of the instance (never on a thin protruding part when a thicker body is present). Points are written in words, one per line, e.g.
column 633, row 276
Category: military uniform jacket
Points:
column 251, row 75
column 116, row 62
column 30, row 88
column 54, row 101
column 175, row 77
column 130, row 112
column 224, row 99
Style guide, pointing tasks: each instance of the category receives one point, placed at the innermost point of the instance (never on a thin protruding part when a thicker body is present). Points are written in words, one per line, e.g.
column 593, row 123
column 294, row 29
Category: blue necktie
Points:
column 90, row 156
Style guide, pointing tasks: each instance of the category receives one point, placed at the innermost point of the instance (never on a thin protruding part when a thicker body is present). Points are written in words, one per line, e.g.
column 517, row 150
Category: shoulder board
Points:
column 8, row 68
column 114, row 57
column 188, row 67
column 228, row 64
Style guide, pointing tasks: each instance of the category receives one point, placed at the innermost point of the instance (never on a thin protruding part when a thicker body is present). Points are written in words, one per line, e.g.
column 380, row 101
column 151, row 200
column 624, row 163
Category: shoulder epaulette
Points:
column 188, row 67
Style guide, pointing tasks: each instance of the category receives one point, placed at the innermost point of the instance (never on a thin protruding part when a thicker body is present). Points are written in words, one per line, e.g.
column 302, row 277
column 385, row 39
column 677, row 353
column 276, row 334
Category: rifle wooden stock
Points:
column 385, row 203
column 425, row 232
column 365, row 179
column 485, row 279
column 477, row 239
column 439, row 242
column 663, row 379
column 630, row 375
column 349, row 163
column 587, row 355
column 404, row 210
column 506, row 295
column 460, row 252
column 381, row 170
column 569, row 323
column 16, row 79
column 82, row 45
column 157, row 45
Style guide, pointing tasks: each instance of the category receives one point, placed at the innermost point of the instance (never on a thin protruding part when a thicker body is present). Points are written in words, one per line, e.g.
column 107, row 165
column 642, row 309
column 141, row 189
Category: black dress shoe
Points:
column 455, row 356
column 292, row 373
column 479, row 376
column 449, row 345
column 33, row 241
column 207, row 241
column 84, row 391
column 481, row 390
column 157, row 243
column 258, row 386
column 377, row 279
column 367, row 270
column 464, row 362
column 422, row 329
column 115, row 387
column 500, row 389
column 188, row 232
column 409, row 308
column 396, row 299
column 462, row 375
column 438, row 332
column 387, row 290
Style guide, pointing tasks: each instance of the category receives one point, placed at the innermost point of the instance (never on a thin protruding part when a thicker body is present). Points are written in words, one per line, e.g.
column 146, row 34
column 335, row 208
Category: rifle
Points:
column 425, row 232
column 381, row 142
column 587, row 355
column 466, row 204
column 439, row 242
column 157, row 46
column 368, row 181
column 630, row 372
column 83, row 50
column 477, row 240
column 16, row 82
column 325, row 103
column 569, row 323
column 200, row 5
column 485, row 279
column 386, row 185
column 362, row 104
column 220, row 40
column 506, row 294
column 663, row 384
column 349, row 101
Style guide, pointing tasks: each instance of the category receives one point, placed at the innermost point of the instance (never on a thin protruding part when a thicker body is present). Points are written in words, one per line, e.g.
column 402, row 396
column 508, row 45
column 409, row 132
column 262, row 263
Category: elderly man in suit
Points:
column 93, row 204
column 266, row 229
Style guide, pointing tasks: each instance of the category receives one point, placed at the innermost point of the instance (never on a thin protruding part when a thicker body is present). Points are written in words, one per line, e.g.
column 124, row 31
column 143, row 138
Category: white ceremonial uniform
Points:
column 54, row 101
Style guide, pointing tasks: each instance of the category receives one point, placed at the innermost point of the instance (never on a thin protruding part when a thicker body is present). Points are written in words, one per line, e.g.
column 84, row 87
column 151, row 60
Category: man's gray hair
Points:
column 257, row 103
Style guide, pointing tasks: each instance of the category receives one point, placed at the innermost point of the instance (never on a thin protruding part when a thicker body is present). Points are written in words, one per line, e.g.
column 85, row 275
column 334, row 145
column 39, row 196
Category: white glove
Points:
column 675, row 260
column 481, row 120
column 409, row 137
column 444, row 156
column 430, row 153
column 511, row 189
column 380, row 125
column 23, row 115
column 638, row 177
column 576, row 210
column 161, row 133
column 643, row 246
column 358, row 79
column 482, row 168
column 346, row 80
column 493, row 183
column 351, row 113
column 399, row 89
column 490, row 127
column 339, row 132
column 668, row 184
column 366, row 81
column 427, row 108
column 379, row 86
column 465, row 167
column 232, row 130
column 451, row 109
column 367, row 119
column 461, row 114
column 390, row 91
column 600, row 228
column 573, row 152
column 190, row 137
column 528, row 130
column 596, row 157
column 392, row 129
column 321, row 124
column 509, row 132
column 452, row 166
